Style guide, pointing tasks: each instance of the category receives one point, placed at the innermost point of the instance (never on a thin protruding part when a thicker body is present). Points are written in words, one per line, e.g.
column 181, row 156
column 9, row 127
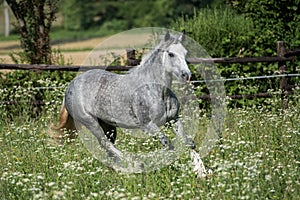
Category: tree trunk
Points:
column 6, row 19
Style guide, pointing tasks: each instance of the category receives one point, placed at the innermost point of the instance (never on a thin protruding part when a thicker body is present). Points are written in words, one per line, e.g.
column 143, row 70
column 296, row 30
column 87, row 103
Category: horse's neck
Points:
column 155, row 72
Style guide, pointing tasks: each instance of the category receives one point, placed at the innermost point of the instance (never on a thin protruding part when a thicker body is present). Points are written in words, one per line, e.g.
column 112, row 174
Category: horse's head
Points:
column 174, row 57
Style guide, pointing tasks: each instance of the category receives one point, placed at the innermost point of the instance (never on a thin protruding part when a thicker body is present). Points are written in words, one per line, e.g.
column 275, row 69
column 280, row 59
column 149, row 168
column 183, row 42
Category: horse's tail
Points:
column 66, row 126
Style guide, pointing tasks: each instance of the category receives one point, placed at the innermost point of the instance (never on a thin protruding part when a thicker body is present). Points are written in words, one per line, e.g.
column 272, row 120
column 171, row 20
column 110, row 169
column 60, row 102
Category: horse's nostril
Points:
column 185, row 75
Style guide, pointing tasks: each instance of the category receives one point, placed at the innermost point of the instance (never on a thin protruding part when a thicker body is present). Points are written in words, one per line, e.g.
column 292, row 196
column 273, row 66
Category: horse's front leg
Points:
column 178, row 129
column 153, row 130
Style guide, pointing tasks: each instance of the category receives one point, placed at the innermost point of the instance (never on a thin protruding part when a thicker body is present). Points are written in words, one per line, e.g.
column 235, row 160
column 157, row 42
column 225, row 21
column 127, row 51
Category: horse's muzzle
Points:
column 186, row 76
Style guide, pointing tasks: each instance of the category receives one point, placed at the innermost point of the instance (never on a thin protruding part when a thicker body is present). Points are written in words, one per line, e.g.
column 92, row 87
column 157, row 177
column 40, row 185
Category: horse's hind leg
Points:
column 93, row 125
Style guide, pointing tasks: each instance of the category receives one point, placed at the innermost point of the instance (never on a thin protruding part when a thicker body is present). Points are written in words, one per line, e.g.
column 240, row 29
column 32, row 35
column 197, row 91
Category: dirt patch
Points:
column 76, row 58
column 78, row 45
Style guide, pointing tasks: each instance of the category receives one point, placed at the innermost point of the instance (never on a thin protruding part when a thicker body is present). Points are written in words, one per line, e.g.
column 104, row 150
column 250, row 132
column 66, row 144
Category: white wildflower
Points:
column 268, row 177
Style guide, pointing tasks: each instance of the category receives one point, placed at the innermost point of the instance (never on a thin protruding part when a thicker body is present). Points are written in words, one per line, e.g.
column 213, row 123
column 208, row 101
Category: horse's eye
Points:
column 171, row 54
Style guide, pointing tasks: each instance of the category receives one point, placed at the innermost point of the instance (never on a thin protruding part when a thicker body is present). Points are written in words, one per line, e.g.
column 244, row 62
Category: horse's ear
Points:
column 182, row 36
column 167, row 36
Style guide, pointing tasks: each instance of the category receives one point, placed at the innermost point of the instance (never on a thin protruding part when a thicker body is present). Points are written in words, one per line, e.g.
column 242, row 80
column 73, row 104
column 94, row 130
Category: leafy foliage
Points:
column 78, row 14
column 273, row 21
column 220, row 31
column 119, row 15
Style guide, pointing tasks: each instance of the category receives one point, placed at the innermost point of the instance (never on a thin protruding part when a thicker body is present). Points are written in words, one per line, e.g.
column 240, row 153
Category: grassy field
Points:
column 257, row 158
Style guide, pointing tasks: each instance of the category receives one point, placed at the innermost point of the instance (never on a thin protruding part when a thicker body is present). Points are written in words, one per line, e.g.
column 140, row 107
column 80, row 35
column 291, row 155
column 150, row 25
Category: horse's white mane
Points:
column 147, row 56
column 153, row 52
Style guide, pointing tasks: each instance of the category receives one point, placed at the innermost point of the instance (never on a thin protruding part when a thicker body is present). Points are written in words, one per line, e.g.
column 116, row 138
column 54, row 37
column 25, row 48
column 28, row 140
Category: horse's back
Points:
column 86, row 87
column 103, row 95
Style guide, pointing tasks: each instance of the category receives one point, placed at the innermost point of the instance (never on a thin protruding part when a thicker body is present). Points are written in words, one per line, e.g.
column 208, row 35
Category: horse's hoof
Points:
column 164, row 141
column 190, row 143
column 193, row 146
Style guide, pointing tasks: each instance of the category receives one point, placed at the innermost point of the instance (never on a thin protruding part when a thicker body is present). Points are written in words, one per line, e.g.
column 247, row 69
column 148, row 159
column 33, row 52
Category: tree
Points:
column 34, row 19
column 79, row 14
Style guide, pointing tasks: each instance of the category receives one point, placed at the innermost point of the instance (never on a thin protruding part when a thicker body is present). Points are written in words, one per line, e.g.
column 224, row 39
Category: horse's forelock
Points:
column 167, row 44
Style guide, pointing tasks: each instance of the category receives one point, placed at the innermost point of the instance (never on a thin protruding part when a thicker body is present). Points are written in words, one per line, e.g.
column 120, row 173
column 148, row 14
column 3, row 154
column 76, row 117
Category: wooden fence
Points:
column 283, row 56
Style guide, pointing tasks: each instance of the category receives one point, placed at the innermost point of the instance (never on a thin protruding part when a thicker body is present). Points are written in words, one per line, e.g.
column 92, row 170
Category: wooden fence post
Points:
column 131, row 59
column 282, row 67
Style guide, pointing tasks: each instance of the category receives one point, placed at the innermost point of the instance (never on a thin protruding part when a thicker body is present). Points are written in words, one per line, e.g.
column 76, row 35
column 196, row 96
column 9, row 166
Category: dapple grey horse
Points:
column 140, row 99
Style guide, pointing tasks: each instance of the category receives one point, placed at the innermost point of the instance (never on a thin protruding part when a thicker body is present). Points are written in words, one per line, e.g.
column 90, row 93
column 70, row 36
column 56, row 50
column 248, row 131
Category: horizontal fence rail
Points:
column 44, row 67
column 126, row 68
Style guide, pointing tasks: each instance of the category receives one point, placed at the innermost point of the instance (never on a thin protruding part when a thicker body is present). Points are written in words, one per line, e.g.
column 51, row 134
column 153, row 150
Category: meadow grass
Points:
column 258, row 157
